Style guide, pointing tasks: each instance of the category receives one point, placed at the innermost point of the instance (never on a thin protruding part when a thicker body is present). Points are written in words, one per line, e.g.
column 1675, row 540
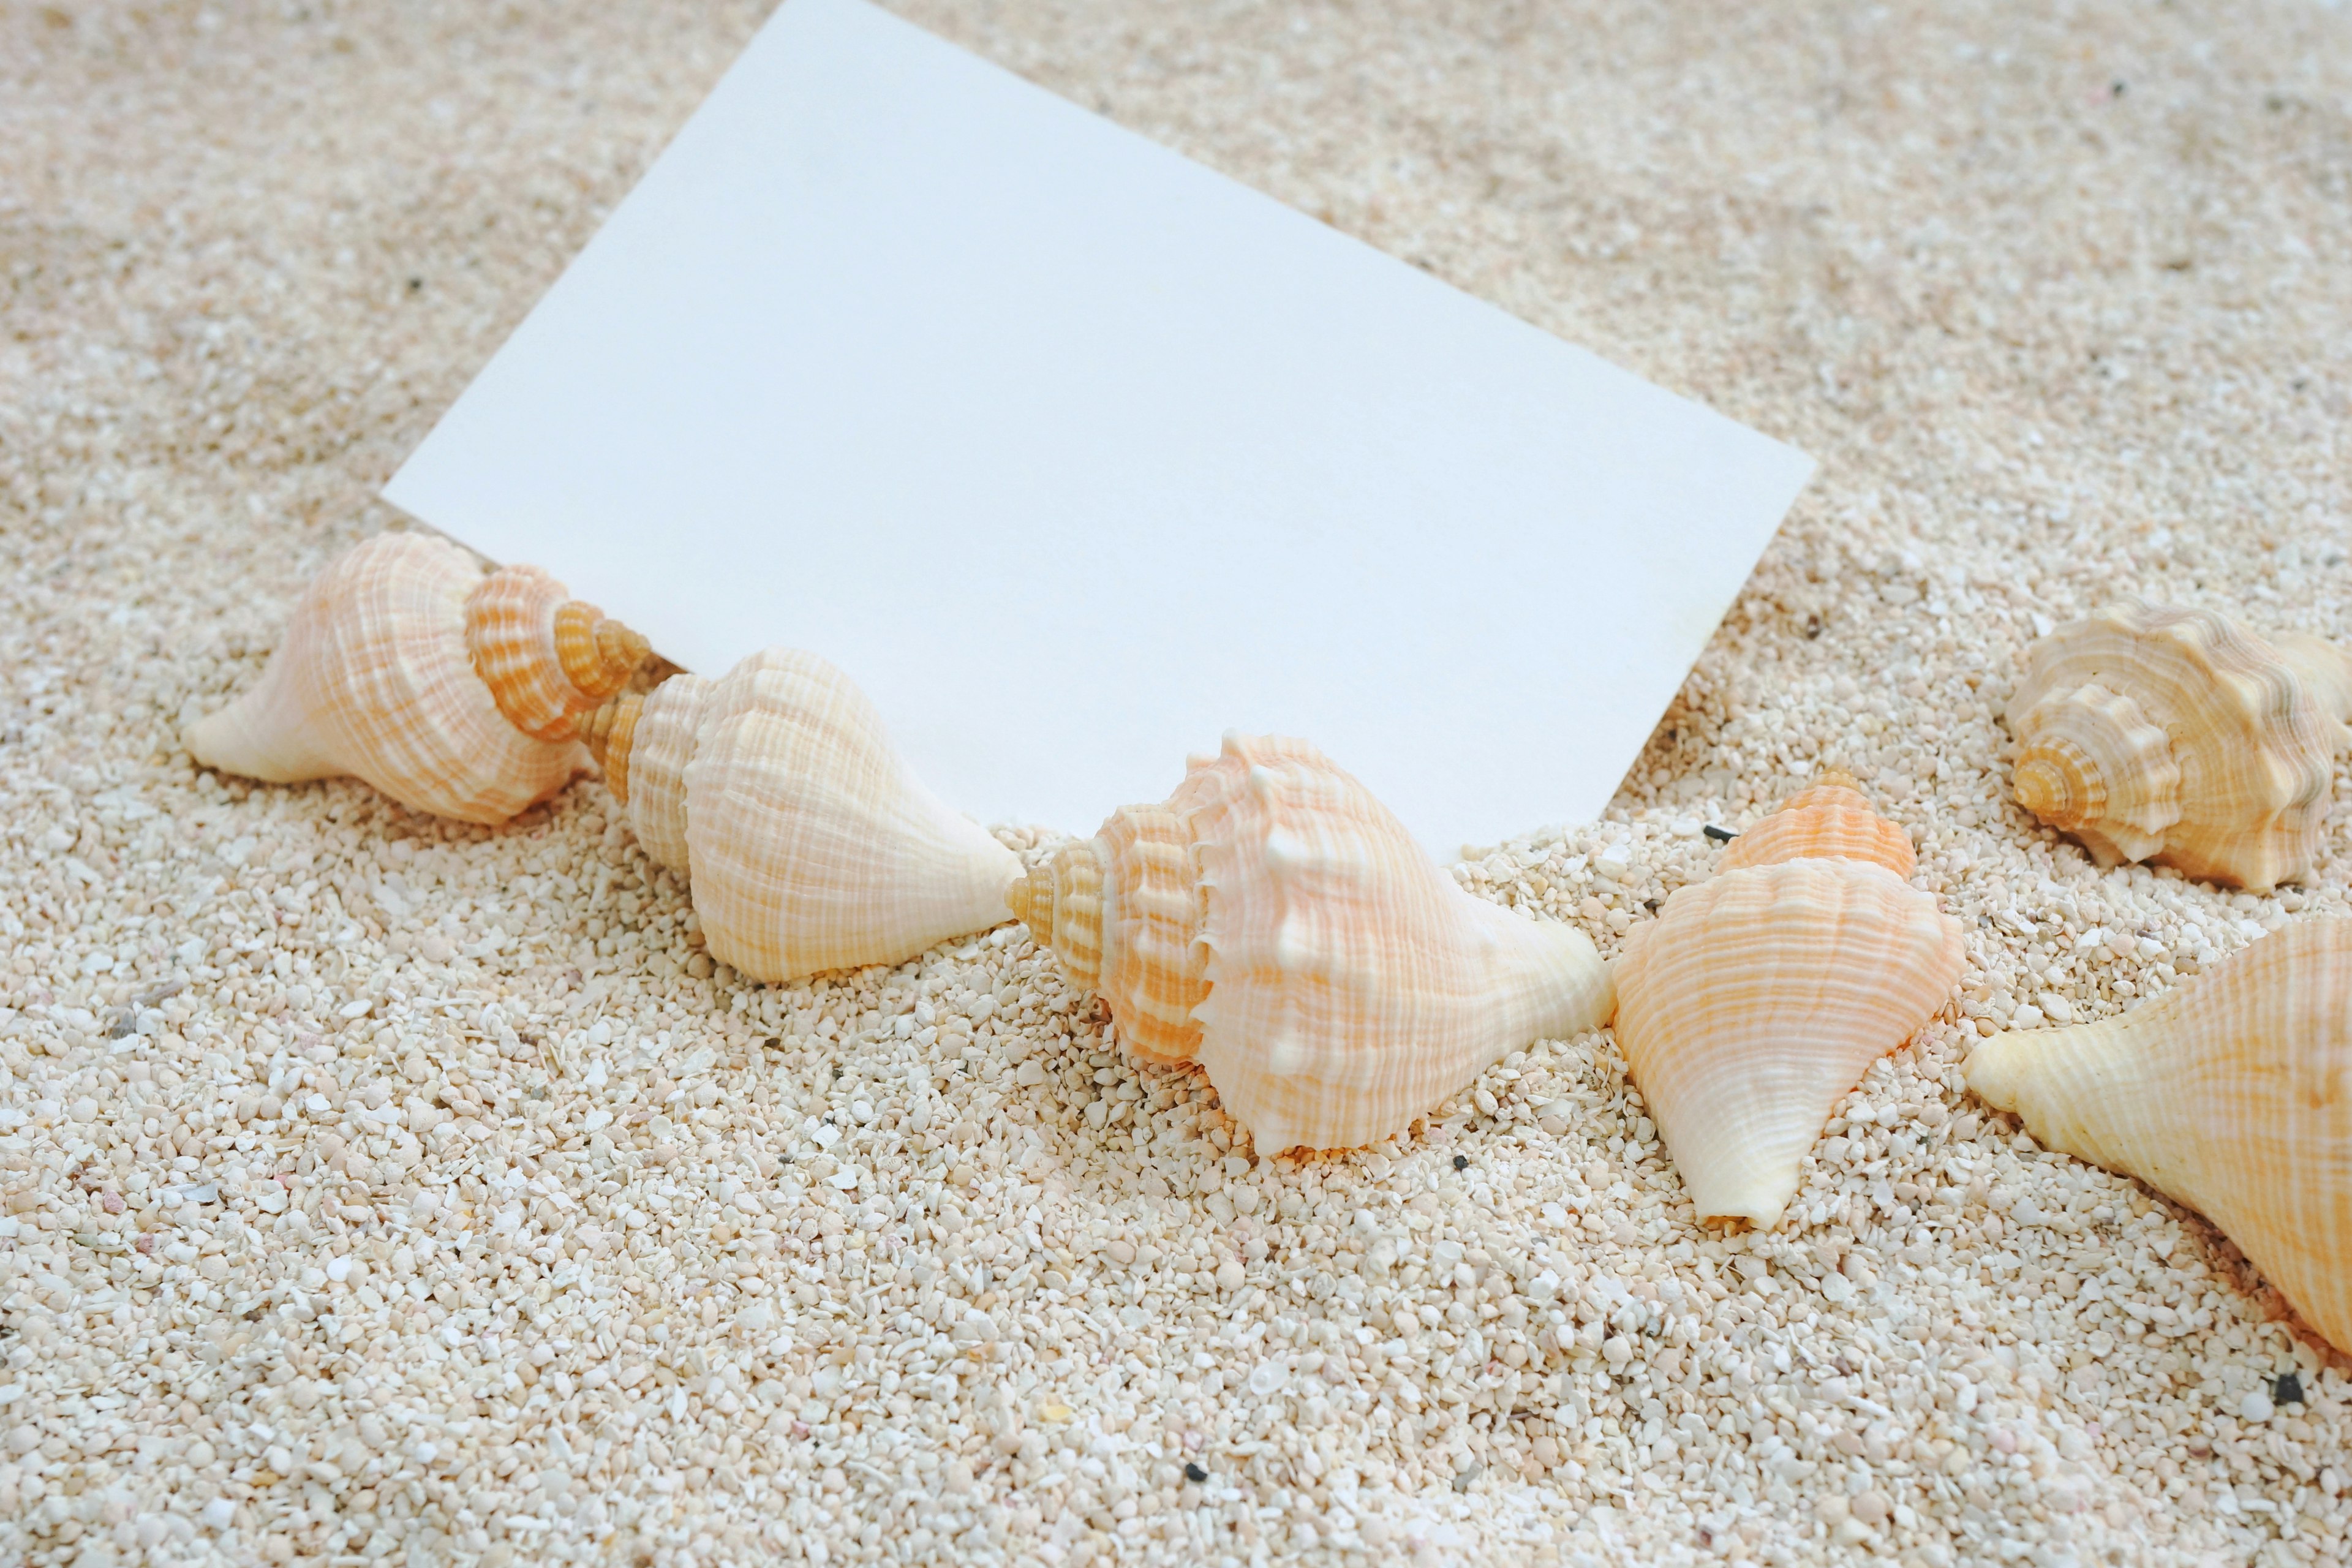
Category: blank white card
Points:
column 1075, row 455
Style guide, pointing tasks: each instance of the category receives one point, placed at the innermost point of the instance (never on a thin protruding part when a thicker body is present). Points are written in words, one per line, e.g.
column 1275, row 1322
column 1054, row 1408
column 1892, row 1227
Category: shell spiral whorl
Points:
column 1061, row 902
column 2096, row 768
column 599, row 655
column 546, row 660
column 2151, row 732
column 609, row 732
column 1830, row 820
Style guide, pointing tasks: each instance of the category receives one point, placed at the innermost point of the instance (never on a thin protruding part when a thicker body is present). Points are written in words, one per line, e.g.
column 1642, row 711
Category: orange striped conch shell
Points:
column 1275, row 922
column 1758, row 998
column 2232, row 1093
column 453, row 690
column 2153, row 732
column 808, row 845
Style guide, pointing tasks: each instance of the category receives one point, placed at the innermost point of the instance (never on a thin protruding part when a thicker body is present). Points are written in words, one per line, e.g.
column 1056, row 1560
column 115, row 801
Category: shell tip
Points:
column 1022, row 898
column 1993, row 1070
column 2040, row 788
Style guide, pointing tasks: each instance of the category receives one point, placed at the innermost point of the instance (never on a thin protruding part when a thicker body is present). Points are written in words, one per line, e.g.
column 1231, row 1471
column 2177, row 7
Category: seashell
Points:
column 1273, row 921
column 1830, row 820
column 2150, row 732
column 1759, row 997
column 2232, row 1093
column 452, row 690
column 808, row 845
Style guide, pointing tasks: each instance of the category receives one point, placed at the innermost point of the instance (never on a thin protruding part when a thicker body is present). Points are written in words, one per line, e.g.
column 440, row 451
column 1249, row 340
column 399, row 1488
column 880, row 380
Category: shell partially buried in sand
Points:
column 1762, row 995
column 2151, row 732
column 453, row 690
column 808, row 845
column 2232, row 1093
column 1276, row 922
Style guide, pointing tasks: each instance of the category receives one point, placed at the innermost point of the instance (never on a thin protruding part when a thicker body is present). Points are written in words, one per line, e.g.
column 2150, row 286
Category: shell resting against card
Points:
column 1276, row 922
column 808, row 843
column 454, row 690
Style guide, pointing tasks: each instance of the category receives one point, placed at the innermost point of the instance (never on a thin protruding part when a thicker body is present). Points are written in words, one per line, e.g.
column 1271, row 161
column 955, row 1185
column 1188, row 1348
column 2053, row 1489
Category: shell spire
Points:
column 546, row 659
column 2155, row 732
column 2232, row 1093
column 808, row 845
column 1273, row 921
column 404, row 665
column 1760, row 997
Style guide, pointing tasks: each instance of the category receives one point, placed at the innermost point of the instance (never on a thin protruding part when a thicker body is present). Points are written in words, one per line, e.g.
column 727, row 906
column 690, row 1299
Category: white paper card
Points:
column 1075, row 454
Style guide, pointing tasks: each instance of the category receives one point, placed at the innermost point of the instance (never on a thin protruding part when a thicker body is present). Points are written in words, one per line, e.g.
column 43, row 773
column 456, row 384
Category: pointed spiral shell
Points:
column 1273, row 921
column 1123, row 912
column 610, row 733
column 2151, row 732
column 403, row 665
column 807, row 843
column 1762, row 995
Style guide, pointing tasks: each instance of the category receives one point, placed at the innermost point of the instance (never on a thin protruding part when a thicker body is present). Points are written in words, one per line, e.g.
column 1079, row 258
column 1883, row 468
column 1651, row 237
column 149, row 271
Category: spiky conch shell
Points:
column 1276, row 922
column 2232, row 1093
column 450, row 690
column 1762, row 995
column 2151, row 732
column 807, row 844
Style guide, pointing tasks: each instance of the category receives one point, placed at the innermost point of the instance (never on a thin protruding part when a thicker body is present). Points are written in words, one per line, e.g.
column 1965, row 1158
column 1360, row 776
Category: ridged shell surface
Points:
column 808, row 843
column 1760, row 997
column 546, row 659
column 373, row 678
column 1831, row 820
column 651, row 776
column 1276, row 921
column 2151, row 732
column 2232, row 1093
column 1123, row 912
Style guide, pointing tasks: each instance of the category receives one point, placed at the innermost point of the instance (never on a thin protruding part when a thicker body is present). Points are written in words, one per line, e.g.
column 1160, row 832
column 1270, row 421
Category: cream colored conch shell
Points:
column 2149, row 732
column 452, row 690
column 1276, row 921
column 808, row 845
column 2232, row 1093
column 1759, row 997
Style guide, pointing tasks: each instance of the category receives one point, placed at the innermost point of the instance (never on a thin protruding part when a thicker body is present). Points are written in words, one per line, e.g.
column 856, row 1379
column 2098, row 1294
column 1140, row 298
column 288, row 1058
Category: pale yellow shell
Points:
column 2232, row 1093
column 403, row 665
column 2150, row 732
column 1759, row 997
column 1274, row 920
column 807, row 844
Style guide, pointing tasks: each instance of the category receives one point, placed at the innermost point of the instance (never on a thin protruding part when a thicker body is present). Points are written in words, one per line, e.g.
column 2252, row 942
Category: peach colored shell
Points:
column 1273, row 921
column 1831, row 820
column 1760, row 997
column 380, row 676
column 2155, row 733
